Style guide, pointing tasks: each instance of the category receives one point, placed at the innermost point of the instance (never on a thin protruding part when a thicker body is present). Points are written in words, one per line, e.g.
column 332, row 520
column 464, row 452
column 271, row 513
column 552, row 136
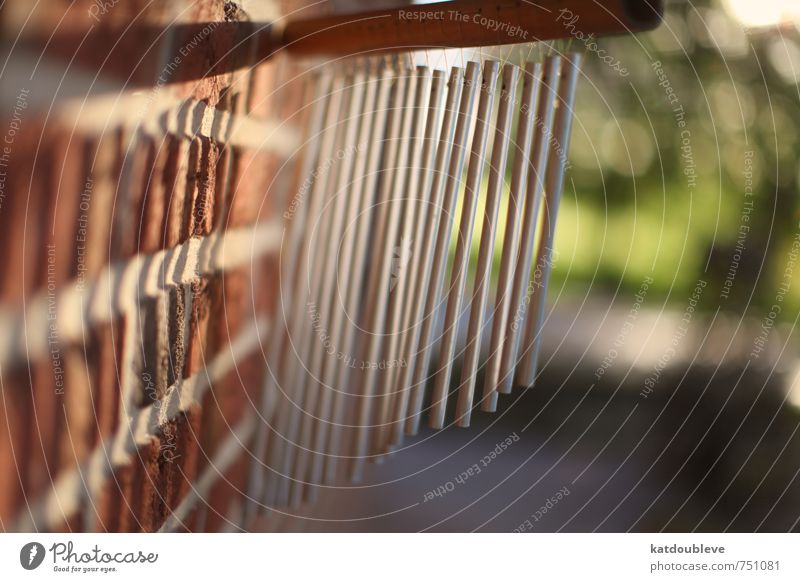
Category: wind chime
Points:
column 403, row 167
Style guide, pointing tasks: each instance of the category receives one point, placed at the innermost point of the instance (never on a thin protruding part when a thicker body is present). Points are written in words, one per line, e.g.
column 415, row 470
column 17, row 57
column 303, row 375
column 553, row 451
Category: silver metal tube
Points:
column 554, row 184
column 531, row 88
column 443, row 242
column 483, row 271
column 460, row 272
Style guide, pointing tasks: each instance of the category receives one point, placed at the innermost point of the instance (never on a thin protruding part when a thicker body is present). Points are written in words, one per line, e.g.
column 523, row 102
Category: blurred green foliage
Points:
column 628, row 209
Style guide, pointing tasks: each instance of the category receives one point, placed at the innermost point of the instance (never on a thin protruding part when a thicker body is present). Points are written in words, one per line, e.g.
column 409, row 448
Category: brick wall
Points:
column 138, row 222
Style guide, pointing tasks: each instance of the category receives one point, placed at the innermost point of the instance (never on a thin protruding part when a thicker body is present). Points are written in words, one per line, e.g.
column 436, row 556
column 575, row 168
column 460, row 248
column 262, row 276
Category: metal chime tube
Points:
column 519, row 291
column 554, row 183
column 406, row 391
column 505, row 118
column 290, row 276
column 289, row 419
column 376, row 311
column 283, row 362
column 313, row 422
column 531, row 89
column 398, row 288
column 320, row 283
column 420, row 187
column 442, row 243
column 458, row 277
column 365, row 180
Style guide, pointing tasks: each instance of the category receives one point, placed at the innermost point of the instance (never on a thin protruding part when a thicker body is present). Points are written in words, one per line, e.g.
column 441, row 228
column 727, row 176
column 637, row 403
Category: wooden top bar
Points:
column 467, row 23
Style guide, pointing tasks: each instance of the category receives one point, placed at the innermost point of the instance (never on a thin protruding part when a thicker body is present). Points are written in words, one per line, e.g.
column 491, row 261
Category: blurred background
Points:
column 733, row 66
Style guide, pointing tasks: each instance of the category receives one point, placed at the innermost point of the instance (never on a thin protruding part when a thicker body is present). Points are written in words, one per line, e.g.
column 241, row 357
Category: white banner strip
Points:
column 387, row 557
